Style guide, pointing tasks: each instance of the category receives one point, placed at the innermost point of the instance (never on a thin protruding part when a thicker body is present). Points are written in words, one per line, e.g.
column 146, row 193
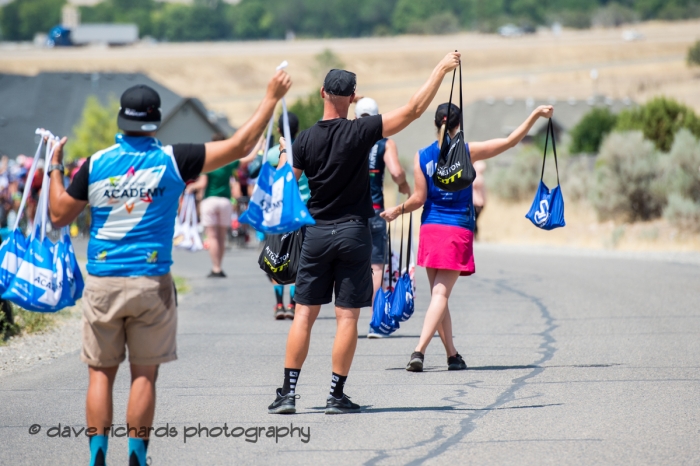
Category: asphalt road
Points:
column 574, row 359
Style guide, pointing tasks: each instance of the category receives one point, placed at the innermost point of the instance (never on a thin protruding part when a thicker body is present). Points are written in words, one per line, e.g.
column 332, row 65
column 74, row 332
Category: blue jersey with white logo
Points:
column 134, row 189
column 443, row 207
column 376, row 174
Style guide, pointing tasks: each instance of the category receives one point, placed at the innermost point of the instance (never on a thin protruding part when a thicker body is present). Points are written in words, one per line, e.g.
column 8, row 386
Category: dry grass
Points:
column 231, row 77
column 505, row 223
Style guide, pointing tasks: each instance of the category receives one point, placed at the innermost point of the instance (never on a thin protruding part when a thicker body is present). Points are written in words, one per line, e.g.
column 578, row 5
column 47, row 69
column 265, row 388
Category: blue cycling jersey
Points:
column 442, row 207
column 134, row 189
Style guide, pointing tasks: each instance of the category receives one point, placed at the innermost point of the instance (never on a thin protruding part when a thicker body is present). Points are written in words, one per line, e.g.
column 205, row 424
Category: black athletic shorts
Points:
column 336, row 258
column 379, row 237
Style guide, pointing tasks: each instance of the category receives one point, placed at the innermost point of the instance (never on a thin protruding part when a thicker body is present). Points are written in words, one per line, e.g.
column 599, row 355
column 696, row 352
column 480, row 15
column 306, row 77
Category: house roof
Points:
column 55, row 101
column 218, row 122
column 491, row 118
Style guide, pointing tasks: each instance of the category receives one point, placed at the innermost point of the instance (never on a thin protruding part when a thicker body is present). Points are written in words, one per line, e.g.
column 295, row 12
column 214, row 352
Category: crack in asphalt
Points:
column 468, row 424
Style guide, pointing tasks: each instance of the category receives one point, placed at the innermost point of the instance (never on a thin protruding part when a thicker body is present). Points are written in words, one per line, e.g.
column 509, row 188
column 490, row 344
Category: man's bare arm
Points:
column 220, row 153
column 63, row 207
column 396, row 120
column 391, row 159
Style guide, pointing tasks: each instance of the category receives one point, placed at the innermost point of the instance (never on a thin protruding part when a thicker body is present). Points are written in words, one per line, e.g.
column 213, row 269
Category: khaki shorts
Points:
column 135, row 312
column 216, row 212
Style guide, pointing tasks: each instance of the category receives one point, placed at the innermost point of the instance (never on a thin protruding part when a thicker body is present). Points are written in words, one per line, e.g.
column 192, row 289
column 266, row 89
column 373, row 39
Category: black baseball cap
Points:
column 293, row 123
column 340, row 82
column 441, row 115
column 140, row 109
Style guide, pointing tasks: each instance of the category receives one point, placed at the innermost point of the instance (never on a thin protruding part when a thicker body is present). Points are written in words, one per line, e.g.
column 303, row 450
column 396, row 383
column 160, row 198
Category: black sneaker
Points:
column 219, row 274
column 283, row 404
column 279, row 312
column 456, row 363
column 341, row 406
column 416, row 362
column 289, row 313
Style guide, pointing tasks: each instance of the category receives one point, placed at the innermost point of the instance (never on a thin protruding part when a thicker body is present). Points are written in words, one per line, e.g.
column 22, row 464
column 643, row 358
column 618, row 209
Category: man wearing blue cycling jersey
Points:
column 133, row 189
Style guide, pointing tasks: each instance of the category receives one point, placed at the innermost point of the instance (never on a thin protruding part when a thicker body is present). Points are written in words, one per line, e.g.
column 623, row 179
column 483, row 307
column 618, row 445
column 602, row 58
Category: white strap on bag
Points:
column 30, row 176
column 194, row 226
column 285, row 123
column 267, row 138
column 187, row 225
column 42, row 210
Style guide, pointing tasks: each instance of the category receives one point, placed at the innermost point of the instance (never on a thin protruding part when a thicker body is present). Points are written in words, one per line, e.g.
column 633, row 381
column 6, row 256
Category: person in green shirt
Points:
column 215, row 208
column 273, row 157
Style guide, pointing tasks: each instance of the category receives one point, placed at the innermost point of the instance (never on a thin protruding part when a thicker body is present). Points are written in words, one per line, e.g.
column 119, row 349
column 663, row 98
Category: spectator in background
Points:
column 215, row 208
column 273, row 157
column 478, row 194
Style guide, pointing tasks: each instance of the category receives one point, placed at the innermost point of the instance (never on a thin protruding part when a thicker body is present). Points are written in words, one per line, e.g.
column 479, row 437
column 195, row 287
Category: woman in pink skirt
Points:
column 447, row 228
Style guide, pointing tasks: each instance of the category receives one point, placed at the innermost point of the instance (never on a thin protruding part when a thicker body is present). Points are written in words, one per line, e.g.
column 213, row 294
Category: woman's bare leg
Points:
column 442, row 283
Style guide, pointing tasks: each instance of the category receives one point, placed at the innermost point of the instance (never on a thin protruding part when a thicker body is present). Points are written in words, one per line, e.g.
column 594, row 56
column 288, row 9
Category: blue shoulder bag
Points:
column 547, row 210
column 402, row 299
column 276, row 206
column 382, row 322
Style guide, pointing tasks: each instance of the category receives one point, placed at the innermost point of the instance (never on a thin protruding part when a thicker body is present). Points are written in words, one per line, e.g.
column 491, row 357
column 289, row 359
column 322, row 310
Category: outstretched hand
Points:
column 391, row 214
column 544, row 111
column 450, row 62
column 57, row 158
column 279, row 85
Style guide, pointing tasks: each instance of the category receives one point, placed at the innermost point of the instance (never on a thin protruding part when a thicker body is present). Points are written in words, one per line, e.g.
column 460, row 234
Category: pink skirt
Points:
column 446, row 247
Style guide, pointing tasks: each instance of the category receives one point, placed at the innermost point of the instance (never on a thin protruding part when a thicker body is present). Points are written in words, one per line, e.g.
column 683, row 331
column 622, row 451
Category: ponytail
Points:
column 441, row 133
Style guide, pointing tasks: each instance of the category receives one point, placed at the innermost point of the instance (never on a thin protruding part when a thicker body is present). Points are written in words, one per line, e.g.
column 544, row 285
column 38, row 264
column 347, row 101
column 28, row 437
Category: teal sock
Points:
column 292, row 291
column 279, row 294
column 137, row 451
column 98, row 450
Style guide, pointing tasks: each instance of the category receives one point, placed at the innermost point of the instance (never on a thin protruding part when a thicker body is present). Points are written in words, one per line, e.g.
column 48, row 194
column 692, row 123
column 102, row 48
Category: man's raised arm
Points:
column 220, row 153
column 395, row 121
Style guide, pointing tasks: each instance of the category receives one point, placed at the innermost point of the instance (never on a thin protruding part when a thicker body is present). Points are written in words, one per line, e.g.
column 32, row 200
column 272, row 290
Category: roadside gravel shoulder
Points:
column 24, row 352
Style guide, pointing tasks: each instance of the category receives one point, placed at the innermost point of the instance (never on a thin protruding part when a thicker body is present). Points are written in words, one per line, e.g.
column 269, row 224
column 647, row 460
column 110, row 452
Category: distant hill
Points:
column 275, row 19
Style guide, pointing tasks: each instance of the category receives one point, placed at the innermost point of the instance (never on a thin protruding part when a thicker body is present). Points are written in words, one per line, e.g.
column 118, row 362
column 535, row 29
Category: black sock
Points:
column 279, row 294
column 337, row 385
column 290, row 380
column 292, row 292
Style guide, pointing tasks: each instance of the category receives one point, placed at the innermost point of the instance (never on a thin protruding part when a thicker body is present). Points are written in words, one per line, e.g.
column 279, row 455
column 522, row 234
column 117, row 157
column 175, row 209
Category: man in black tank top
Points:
column 383, row 155
column 336, row 254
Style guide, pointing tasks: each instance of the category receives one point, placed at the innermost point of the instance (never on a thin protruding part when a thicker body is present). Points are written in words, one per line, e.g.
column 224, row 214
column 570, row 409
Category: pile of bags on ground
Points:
column 35, row 273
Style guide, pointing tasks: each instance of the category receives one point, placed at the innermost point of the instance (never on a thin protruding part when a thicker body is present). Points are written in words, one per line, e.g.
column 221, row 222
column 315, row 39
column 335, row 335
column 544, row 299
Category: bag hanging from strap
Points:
column 402, row 300
column 41, row 278
column 276, row 206
column 73, row 273
column 547, row 210
column 186, row 226
column 13, row 248
column 382, row 322
column 280, row 256
column 454, row 170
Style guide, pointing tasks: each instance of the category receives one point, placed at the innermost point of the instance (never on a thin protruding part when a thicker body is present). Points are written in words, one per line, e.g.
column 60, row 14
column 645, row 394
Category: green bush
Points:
column 659, row 120
column 519, row 180
column 309, row 110
column 683, row 212
column 627, row 183
column 21, row 19
column 694, row 54
column 682, row 180
column 576, row 178
column 589, row 133
column 95, row 131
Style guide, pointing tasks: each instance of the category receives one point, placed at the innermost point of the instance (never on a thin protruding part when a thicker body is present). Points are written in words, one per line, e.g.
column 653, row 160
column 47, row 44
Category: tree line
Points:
column 274, row 19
